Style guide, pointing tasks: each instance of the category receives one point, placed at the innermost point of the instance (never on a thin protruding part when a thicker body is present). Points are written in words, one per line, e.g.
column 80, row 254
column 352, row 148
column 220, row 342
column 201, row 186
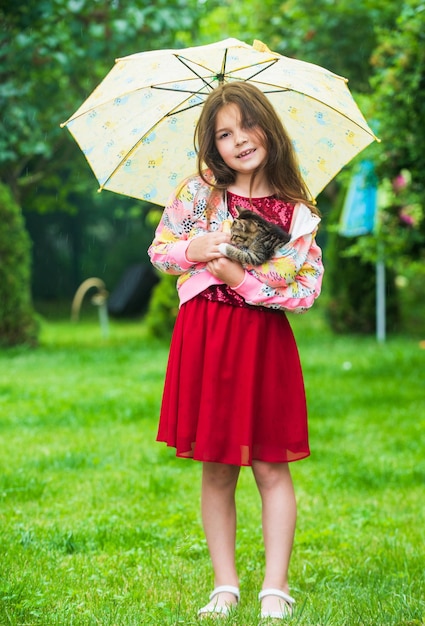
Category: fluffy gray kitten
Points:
column 254, row 240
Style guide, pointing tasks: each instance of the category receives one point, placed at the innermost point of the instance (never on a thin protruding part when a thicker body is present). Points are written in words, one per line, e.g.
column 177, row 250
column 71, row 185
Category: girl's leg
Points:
column 219, row 521
column 278, row 517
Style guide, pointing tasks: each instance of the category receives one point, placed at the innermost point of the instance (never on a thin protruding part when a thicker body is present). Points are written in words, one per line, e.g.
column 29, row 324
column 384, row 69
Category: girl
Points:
column 234, row 393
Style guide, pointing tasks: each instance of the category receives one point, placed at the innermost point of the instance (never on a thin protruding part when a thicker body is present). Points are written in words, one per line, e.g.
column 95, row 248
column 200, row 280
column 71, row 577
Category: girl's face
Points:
column 241, row 147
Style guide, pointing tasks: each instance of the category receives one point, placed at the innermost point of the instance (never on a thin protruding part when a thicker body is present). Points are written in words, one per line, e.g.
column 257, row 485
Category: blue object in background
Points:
column 358, row 218
column 359, row 210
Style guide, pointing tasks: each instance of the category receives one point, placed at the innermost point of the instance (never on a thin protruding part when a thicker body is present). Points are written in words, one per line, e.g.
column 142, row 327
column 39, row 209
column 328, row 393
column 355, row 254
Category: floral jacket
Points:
column 290, row 281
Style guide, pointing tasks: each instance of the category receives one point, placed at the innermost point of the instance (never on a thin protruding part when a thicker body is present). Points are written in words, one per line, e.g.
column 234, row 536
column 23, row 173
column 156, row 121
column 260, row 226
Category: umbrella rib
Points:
column 182, row 61
column 201, row 91
column 222, row 74
column 194, row 93
column 106, row 102
column 208, row 84
column 268, row 91
column 341, row 113
column 174, row 112
column 135, row 146
column 263, row 69
column 125, row 158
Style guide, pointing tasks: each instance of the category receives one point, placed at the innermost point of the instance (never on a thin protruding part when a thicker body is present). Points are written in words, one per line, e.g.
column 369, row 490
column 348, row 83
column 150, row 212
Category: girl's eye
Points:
column 223, row 135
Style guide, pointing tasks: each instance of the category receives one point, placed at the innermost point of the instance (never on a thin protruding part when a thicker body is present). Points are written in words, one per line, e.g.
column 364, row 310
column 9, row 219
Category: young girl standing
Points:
column 234, row 393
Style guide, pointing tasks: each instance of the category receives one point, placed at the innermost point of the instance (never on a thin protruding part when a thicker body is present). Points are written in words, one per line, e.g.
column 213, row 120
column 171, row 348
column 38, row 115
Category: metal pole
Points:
column 103, row 319
column 380, row 294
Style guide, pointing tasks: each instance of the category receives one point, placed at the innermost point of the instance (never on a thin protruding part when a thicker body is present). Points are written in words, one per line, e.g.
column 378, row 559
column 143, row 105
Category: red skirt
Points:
column 234, row 389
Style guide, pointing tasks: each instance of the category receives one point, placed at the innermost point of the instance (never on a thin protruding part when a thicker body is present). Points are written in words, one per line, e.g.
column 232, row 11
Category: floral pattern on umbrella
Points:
column 136, row 129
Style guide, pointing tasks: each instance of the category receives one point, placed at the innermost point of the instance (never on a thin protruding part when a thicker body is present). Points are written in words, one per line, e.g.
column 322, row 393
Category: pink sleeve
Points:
column 168, row 249
column 291, row 282
column 170, row 259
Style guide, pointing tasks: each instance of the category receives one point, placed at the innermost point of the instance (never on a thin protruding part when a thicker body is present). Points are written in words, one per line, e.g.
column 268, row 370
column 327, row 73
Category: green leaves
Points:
column 17, row 320
column 53, row 53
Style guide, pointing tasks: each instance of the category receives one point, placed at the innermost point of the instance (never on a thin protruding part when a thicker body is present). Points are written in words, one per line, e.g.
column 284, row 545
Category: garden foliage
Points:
column 17, row 320
column 53, row 54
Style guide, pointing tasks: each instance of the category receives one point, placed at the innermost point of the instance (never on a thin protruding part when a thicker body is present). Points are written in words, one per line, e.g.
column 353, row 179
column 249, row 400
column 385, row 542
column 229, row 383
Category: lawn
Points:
column 100, row 525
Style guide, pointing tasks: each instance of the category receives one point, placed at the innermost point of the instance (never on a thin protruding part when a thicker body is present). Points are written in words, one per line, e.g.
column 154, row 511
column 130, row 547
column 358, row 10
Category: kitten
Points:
column 254, row 240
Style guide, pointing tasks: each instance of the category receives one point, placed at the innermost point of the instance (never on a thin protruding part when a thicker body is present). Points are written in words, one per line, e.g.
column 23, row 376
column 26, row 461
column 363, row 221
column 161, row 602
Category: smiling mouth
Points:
column 245, row 153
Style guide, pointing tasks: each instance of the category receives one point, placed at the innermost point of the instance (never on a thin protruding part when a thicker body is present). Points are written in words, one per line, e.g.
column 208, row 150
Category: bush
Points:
column 163, row 307
column 17, row 318
column 352, row 287
column 351, row 281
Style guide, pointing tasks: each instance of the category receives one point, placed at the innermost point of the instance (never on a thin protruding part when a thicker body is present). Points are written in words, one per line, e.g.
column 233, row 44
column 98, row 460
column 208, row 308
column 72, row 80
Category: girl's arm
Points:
column 181, row 238
column 168, row 249
column 291, row 281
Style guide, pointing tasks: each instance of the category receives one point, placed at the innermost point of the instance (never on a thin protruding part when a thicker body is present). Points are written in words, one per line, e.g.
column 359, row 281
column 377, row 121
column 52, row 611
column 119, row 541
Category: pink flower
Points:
column 406, row 217
column 399, row 183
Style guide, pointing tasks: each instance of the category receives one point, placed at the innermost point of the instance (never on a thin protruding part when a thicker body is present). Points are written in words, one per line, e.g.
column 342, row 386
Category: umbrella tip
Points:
column 260, row 46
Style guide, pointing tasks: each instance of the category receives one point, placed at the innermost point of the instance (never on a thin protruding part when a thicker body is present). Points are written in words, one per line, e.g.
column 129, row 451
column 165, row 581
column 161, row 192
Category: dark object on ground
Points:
column 131, row 295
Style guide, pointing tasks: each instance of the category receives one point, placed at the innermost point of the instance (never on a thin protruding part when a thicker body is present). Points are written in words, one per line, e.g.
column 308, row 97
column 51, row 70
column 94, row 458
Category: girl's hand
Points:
column 205, row 248
column 230, row 272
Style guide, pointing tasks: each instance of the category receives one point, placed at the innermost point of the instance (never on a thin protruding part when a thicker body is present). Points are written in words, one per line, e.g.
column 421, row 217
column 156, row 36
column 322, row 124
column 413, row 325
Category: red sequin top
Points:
column 273, row 210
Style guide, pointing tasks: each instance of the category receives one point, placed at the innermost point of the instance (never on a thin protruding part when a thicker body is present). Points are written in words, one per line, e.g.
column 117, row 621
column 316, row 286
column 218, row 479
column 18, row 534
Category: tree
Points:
column 54, row 52
column 17, row 321
column 52, row 55
column 341, row 35
column 399, row 84
column 397, row 106
column 379, row 48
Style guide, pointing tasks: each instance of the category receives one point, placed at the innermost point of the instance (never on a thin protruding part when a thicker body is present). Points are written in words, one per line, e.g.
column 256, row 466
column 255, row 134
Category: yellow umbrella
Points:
column 136, row 128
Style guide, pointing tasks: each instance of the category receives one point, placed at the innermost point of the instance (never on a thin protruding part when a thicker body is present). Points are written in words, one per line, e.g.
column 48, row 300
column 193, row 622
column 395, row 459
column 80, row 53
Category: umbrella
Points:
column 136, row 128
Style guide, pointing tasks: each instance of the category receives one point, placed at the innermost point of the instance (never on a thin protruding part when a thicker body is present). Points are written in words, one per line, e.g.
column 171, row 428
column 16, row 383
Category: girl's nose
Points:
column 240, row 138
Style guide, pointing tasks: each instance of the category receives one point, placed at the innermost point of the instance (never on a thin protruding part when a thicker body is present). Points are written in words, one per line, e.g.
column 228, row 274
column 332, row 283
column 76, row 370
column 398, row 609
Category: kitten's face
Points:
column 243, row 231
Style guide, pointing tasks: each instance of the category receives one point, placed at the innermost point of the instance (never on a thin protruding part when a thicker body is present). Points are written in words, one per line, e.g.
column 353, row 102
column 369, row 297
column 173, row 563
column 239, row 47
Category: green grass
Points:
column 100, row 525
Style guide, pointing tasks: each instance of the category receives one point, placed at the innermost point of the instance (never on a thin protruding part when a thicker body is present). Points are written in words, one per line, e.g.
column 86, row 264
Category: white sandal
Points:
column 286, row 610
column 223, row 609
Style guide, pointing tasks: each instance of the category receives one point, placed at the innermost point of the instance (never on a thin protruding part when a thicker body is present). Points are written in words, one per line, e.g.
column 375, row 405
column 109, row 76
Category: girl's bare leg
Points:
column 278, row 517
column 219, row 521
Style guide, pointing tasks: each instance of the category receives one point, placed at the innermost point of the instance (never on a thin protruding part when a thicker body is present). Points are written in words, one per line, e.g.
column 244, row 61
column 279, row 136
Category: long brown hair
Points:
column 280, row 167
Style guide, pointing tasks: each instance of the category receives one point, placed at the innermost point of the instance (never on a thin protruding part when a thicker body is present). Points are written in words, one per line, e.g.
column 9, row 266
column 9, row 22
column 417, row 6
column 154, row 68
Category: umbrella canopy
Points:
column 136, row 129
